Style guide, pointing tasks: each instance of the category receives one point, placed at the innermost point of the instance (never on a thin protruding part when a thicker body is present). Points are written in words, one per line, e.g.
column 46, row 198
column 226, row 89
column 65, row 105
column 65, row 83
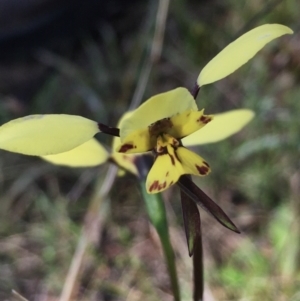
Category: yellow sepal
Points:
column 240, row 52
column 41, row 135
column 158, row 107
column 222, row 126
column 88, row 154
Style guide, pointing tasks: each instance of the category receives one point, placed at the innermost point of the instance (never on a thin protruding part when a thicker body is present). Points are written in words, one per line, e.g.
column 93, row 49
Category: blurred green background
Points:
column 91, row 68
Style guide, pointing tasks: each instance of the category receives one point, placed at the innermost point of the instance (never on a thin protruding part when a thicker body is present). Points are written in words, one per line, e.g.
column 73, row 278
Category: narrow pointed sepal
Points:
column 198, row 270
column 192, row 222
column 204, row 201
column 192, row 226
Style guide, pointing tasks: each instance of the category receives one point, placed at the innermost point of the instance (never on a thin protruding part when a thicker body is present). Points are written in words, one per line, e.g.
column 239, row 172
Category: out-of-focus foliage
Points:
column 255, row 174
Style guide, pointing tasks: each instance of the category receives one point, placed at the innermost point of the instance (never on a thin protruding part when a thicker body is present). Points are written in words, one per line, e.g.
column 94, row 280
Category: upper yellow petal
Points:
column 90, row 153
column 240, row 52
column 158, row 107
column 41, row 135
column 222, row 126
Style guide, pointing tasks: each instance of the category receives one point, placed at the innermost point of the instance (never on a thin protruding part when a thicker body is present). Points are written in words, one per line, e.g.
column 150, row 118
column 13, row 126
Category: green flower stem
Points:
column 157, row 214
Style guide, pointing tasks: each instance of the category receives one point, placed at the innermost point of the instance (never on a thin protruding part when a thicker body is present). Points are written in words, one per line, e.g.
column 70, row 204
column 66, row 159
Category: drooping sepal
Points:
column 191, row 219
column 204, row 201
column 192, row 226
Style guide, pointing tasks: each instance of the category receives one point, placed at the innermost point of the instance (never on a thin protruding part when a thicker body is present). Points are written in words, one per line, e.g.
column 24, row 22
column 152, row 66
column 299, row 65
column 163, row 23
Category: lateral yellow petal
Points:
column 240, row 52
column 222, row 126
column 165, row 171
column 192, row 163
column 126, row 162
column 187, row 123
column 90, row 153
column 136, row 142
column 41, row 135
column 158, row 107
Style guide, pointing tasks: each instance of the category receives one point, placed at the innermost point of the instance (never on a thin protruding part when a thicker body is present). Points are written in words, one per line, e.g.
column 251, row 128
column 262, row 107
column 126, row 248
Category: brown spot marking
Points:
column 167, row 173
column 126, row 147
column 171, row 183
column 156, row 186
column 204, row 119
column 203, row 170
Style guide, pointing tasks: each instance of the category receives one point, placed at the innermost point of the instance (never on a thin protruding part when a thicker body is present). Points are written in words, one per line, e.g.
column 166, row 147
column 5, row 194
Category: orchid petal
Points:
column 222, row 126
column 240, row 52
column 192, row 163
column 158, row 107
column 136, row 142
column 188, row 122
column 165, row 171
column 173, row 161
column 90, row 153
column 41, row 135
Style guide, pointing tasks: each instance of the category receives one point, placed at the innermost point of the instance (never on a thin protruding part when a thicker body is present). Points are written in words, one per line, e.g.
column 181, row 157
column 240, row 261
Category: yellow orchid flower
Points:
column 163, row 125
column 145, row 130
